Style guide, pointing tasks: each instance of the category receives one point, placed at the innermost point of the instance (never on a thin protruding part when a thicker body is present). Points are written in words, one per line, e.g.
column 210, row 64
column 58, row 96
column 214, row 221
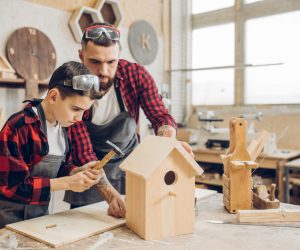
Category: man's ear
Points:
column 80, row 54
column 53, row 95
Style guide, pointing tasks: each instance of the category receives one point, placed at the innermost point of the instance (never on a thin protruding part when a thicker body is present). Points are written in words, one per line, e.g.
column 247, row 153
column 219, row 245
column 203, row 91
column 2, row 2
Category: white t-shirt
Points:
column 55, row 137
column 106, row 108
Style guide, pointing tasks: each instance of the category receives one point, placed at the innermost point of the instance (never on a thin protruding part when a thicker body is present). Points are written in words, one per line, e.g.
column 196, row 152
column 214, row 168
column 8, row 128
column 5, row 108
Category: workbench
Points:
column 207, row 235
column 276, row 161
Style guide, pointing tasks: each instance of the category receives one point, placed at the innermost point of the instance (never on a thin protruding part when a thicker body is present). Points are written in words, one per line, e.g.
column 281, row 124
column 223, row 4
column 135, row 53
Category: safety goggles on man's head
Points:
column 97, row 31
column 84, row 82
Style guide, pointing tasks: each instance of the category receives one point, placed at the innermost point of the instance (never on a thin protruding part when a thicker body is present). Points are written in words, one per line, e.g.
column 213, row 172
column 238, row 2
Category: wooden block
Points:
column 257, row 145
column 260, row 203
column 240, row 186
column 262, row 192
column 272, row 215
column 66, row 227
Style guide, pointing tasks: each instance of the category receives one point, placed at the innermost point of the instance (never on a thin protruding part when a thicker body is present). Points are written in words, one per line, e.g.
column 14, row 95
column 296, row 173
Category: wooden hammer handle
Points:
column 105, row 159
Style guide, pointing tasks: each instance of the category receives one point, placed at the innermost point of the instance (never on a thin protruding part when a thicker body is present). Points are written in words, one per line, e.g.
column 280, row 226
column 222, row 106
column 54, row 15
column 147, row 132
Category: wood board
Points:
column 270, row 215
column 69, row 226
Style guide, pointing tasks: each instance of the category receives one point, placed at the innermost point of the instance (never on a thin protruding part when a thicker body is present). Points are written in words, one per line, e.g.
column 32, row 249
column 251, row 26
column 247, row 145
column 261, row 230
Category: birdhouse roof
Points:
column 149, row 155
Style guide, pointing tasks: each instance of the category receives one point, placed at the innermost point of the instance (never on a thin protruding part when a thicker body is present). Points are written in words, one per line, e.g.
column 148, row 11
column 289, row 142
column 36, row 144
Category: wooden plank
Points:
column 69, row 226
column 271, row 215
column 256, row 146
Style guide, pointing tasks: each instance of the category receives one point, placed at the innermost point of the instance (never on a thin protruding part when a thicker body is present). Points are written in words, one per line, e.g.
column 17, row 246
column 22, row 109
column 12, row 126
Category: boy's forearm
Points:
column 58, row 184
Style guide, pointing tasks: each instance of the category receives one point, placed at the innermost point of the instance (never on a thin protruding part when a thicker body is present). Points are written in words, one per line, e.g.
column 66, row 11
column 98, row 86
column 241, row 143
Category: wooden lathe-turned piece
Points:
column 240, row 185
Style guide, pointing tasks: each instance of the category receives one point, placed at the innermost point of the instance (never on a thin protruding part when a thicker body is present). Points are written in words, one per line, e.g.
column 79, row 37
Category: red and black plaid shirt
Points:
column 23, row 144
column 138, row 89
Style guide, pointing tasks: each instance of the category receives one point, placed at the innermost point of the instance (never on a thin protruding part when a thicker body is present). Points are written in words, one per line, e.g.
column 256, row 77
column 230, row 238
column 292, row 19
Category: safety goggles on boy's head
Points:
column 97, row 31
column 84, row 82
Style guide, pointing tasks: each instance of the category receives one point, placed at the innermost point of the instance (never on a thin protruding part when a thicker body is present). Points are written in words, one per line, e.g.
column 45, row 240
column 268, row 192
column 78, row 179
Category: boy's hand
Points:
column 87, row 166
column 82, row 181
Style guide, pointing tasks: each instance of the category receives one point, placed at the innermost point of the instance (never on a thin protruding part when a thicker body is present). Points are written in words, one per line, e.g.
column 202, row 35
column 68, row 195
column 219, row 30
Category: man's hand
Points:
column 116, row 204
column 169, row 131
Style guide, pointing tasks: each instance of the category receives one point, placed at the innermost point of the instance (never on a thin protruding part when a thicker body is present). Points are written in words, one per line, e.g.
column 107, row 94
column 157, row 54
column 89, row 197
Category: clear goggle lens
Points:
column 95, row 32
column 84, row 82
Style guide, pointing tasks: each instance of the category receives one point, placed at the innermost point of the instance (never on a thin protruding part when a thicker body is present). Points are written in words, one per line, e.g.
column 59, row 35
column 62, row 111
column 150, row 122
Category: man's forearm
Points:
column 166, row 131
column 103, row 187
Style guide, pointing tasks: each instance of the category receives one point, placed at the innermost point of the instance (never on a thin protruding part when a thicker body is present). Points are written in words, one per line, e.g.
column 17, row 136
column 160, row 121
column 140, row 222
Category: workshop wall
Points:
column 52, row 16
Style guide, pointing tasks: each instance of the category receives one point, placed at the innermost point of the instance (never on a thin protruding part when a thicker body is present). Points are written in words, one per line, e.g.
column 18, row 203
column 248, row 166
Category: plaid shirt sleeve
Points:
column 16, row 182
column 151, row 101
column 82, row 149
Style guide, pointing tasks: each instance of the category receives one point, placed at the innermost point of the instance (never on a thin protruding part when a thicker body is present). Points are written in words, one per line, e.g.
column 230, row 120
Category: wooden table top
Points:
column 207, row 235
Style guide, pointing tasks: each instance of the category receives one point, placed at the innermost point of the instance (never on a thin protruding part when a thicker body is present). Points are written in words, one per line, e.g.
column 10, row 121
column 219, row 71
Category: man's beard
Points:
column 104, row 87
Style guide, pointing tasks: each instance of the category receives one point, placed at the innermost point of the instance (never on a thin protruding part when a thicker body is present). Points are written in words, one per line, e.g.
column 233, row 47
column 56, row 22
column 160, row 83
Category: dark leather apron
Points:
column 11, row 212
column 122, row 132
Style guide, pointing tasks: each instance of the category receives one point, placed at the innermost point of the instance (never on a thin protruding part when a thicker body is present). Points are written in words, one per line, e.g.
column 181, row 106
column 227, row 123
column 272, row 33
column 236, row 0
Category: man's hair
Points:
column 66, row 72
column 103, row 40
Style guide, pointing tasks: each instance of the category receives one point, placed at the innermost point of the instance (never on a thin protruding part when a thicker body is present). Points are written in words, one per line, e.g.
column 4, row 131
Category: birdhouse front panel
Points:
column 135, row 203
column 170, row 199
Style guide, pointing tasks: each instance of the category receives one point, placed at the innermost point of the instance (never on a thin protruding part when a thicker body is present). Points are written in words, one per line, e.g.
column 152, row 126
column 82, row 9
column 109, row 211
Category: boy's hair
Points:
column 102, row 40
column 66, row 72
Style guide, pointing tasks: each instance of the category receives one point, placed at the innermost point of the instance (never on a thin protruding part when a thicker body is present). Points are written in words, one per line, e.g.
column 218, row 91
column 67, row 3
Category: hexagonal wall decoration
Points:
column 110, row 11
column 82, row 18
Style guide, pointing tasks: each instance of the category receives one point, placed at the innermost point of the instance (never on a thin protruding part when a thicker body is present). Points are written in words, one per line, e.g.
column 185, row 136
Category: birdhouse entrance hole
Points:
column 170, row 177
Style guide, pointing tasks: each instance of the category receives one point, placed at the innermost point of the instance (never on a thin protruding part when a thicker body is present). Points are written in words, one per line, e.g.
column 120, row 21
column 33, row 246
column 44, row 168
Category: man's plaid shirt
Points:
column 138, row 89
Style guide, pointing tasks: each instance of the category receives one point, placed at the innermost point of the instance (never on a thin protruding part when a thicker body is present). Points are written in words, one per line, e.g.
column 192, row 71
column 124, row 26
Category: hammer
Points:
column 115, row 150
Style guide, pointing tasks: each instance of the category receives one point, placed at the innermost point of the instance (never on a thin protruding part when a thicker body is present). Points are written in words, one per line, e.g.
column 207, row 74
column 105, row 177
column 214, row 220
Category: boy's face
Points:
column 102, row 62
column 69, row 110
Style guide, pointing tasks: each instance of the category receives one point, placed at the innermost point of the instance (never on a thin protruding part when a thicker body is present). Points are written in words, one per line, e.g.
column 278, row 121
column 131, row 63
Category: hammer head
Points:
column 115, row 148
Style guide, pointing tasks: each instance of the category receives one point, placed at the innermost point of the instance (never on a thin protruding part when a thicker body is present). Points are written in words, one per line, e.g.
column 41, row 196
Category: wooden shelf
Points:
column 19, row 83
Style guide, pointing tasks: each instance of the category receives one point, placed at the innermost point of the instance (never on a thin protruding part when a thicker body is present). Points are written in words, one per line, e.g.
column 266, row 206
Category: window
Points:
column 200, row 6
column 273, row 39
column 252, row 1
column 213, row 46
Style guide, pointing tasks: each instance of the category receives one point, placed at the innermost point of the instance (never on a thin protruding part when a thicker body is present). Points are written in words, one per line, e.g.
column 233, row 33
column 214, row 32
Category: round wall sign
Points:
column 143, row 42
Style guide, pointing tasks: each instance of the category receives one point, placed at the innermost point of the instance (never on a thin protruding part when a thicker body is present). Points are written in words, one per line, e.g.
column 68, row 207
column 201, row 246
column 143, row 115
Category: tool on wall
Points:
column 114, row 151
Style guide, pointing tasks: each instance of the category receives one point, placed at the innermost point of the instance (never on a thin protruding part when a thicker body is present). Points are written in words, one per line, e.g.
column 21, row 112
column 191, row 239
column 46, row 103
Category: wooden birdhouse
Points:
column 160, row 188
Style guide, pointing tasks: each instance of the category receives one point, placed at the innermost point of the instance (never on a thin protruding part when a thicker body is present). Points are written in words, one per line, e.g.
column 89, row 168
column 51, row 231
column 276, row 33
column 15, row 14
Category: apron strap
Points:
column 119, row 97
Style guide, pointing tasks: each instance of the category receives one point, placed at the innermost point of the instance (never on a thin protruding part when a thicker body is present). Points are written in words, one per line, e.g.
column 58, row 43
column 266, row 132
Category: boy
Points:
column 35, row 147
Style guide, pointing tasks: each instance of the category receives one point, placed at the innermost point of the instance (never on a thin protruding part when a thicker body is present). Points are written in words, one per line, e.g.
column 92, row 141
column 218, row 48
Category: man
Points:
column 35, row 151
column 125, row 87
